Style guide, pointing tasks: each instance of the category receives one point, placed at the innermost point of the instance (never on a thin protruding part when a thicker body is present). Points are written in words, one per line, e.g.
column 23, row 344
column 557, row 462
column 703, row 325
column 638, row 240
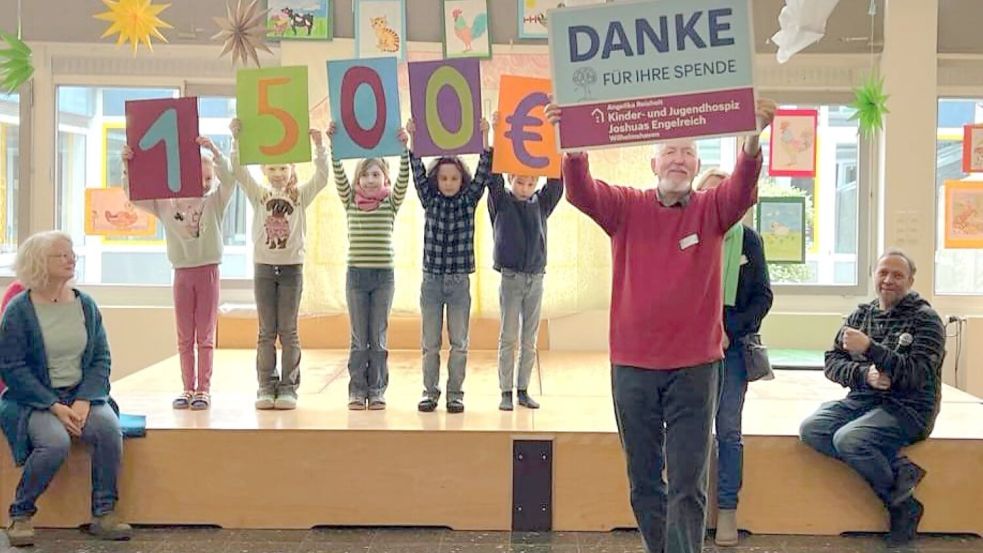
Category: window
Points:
column 91, row 132
column 957, row 271
column 9, row 182
column 832, row 203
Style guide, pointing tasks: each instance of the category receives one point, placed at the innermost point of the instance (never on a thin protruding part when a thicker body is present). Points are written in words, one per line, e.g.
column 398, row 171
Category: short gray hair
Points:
column 31, row 264
column 657, row 149
column 898, row 252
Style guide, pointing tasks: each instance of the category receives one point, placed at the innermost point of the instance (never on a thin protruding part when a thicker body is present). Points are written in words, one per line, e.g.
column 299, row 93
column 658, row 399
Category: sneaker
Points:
column 356, row 403
column 201, row 401
column 109, row 527
column 265, row 400
column 20, row 533
column 285, row 402
column 377, row 403
column 183, row 401
column 726, row 535
column 506, row 403
column 909, row 476
column 526, row 401
column 455, row 406
column 904, row 522
column 428, row 403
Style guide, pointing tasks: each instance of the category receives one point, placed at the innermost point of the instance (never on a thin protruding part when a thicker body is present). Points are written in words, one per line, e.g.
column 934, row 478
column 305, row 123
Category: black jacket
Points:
column 754, row 296
column 520, row 226
column 914, row 363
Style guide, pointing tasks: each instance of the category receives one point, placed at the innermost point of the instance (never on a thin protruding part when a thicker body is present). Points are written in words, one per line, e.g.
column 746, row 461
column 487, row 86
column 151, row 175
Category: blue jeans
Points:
column 454, row 292
column 520, row 298
column 664, row 420
column 861, row 434
column 51, row 443
column 730, row 443
column 278, row 289
column 370, row 297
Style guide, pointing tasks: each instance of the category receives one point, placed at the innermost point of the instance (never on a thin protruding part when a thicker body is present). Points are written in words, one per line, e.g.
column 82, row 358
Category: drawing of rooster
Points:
column 793, row 145
column 469, row 33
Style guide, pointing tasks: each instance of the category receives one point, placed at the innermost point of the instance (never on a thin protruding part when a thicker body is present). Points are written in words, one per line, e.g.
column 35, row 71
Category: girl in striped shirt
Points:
column 371, row 206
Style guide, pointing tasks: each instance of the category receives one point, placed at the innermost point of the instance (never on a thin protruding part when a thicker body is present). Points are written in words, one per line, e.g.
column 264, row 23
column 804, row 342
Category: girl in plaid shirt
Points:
column 449, row 196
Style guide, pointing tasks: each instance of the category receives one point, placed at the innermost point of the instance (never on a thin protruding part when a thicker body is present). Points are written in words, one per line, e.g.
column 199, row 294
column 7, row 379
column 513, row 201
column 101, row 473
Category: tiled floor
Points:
column 356, row 540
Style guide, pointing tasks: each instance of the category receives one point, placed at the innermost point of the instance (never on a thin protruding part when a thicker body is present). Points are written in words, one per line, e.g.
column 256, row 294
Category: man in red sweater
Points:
column 666, row 328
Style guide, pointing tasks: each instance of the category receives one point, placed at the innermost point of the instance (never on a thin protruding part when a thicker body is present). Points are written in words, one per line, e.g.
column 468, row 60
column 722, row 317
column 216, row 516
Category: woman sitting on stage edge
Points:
column 54, row 358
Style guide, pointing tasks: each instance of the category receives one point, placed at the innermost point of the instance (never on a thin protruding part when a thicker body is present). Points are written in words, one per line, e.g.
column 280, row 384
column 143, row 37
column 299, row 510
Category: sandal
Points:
column 183, row 401
column 201, row 401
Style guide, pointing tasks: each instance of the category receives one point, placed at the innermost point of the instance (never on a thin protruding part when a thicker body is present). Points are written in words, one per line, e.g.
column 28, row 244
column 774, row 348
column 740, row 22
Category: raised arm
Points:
column 226, row 180
column 254, row 191
column 150, row 206
column 403, row 177
column 550, row 195
column 310, row 189
column 840, row 364
column 482, row 176
column 340, row 178
column 738, row 193
column 910, row 369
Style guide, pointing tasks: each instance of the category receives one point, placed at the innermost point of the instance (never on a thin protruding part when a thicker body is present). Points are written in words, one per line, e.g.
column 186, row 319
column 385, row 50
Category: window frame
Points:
column 866, row 150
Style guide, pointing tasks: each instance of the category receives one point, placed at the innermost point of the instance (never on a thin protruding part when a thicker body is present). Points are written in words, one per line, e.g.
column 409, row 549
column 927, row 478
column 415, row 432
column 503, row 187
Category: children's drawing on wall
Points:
column 299, row 20
column 963, row 214
column 110, row 213
column 466, row 29
column 793, row 143
column 380, row 28
column 781, row 224
column 973, row 149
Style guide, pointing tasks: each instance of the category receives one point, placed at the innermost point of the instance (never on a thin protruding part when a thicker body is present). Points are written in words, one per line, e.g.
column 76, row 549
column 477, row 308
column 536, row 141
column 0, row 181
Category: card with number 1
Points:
column 166, row 160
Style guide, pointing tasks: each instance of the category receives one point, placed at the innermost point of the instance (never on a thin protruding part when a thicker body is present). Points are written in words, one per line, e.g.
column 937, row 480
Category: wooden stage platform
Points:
column 237, row 467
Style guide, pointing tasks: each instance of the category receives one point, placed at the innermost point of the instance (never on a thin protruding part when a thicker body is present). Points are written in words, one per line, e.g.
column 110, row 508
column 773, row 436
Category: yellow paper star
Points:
column 134, row 20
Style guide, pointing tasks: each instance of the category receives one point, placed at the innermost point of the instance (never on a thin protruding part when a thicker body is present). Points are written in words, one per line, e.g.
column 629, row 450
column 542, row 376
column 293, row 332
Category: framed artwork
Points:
column 466, row 29
column 963, row 214
column 533, row 17
column 108, row 212
column 793, row 143
column 299, row 20
column 973, row 149
column 781, row 222
column 380, row 29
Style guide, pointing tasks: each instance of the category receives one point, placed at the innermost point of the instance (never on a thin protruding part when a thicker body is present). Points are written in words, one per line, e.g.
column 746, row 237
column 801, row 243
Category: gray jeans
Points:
column 278, row 289
column 51, row 443
column 454, row 292
column 520, row 298
column 664, row 420
column 370, row 297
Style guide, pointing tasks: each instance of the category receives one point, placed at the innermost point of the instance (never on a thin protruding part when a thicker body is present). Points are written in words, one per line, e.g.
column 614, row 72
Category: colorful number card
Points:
column 166, row 157
column 365, row 107
column 272, row 105
column 445, row 99
column 525, row 142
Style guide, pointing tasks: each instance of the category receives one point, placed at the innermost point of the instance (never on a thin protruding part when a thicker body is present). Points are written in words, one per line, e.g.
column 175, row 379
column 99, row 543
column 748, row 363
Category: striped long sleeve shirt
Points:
column 370, row 233
column 448, row 239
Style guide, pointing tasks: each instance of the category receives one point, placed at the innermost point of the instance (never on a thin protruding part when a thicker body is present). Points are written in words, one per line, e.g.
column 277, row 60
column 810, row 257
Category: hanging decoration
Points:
column 871, row 104
column 15, row 63
column 135, row 21
column 243, row 31
column 801, row 23
column 15, row 60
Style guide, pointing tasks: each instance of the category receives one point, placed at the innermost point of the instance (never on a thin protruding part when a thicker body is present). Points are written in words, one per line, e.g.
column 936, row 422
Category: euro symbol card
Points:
column 525, row 142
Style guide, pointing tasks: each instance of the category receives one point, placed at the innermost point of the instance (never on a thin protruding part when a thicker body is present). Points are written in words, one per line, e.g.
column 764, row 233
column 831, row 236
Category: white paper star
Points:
column 243, row 31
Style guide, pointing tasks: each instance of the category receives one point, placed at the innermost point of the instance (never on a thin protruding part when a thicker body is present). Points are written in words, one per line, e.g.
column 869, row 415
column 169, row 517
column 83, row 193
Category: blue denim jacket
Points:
column 24, row 367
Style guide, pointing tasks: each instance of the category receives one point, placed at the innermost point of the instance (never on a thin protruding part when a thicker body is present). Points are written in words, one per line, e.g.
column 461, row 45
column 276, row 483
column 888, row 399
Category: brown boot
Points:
column 109, row 527
column 20, row 533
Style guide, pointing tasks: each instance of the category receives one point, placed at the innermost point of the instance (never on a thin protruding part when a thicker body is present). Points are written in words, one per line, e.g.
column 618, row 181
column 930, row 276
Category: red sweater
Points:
column 666, row 295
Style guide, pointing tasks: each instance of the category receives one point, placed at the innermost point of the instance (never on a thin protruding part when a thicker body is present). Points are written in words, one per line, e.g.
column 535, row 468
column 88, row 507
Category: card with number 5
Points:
column 272, row 106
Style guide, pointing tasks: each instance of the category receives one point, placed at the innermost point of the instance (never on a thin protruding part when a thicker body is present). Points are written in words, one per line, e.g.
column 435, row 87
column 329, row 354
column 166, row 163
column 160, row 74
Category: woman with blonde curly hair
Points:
column 54, row 358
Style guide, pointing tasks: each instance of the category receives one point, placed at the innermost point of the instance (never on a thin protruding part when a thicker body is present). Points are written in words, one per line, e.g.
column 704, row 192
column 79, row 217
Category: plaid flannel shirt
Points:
column 448, row 241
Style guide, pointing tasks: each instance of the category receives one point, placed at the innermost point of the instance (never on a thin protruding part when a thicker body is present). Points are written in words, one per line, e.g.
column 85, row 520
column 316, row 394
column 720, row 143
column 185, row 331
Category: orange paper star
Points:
column 134, row 20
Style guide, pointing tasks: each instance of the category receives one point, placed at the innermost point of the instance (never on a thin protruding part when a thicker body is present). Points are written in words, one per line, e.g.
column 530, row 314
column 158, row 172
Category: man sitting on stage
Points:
column 890, row 355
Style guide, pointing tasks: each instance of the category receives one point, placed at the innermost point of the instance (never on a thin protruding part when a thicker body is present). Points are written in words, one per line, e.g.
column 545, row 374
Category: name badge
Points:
column 689, row 241
column 744, row 260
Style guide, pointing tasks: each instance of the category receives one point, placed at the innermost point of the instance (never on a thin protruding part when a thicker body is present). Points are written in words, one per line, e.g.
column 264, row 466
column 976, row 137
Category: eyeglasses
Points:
column 64, row 256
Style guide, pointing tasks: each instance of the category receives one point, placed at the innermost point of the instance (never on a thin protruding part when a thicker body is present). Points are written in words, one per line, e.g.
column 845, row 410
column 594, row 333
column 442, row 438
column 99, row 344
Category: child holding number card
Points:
column 193, row 233
column 279, row 224
column 518, row 219
column 371, row 206
column 449, row 196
